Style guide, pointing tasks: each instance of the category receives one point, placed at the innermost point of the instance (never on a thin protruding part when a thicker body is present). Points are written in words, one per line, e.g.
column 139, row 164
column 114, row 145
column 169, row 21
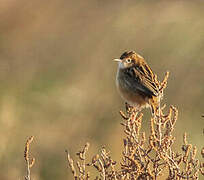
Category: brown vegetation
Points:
column 144, row 157
column 151, row 157
column 29, row 161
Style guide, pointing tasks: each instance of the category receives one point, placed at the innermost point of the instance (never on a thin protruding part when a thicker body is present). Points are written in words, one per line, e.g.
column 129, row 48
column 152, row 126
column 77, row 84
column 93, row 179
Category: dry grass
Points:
column 143, row 157
column 29, row 161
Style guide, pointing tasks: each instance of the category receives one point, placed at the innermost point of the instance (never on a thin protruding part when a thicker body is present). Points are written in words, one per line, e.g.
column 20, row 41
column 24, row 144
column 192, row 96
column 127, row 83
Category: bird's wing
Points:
column 142, row 78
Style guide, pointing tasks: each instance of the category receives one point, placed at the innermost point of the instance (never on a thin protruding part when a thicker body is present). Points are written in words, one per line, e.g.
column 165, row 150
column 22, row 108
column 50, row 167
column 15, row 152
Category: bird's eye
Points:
column 128, row 60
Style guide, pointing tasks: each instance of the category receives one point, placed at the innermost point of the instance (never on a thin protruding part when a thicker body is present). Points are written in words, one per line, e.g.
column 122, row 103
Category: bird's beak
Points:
column 117, row 60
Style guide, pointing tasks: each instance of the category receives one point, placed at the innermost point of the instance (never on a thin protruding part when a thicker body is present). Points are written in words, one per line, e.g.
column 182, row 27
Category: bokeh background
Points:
column 57, row 78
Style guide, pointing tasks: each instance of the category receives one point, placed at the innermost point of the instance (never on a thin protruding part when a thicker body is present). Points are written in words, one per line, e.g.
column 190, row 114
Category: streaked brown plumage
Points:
column 136, row 81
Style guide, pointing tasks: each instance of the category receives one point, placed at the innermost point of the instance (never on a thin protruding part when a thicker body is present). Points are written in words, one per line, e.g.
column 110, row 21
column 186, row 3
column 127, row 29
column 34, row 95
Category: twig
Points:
column 29, row 162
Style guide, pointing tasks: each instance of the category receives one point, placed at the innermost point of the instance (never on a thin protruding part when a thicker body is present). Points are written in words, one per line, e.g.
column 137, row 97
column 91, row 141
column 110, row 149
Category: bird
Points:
column 135, row 82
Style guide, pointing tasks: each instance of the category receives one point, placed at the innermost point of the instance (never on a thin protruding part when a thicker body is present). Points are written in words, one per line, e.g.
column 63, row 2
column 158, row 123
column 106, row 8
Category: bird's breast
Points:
column 128, row 93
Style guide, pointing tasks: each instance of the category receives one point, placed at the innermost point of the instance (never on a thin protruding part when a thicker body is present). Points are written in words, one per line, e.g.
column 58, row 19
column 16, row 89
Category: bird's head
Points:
column 129, row 59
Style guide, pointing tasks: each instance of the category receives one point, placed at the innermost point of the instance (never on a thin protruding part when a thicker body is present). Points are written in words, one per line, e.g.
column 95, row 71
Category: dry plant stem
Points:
column 82, row 157
column 29, row 162
column 159, row 128
column 71, row 164
column 27, row 177
column 102, row 170
column 82, row 174
column 161, row 88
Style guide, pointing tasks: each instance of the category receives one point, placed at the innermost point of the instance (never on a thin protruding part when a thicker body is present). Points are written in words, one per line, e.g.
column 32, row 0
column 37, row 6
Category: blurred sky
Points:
column 58, row 79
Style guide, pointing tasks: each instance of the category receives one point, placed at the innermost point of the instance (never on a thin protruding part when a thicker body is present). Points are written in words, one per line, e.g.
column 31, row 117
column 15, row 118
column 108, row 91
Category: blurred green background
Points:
column 57, row 78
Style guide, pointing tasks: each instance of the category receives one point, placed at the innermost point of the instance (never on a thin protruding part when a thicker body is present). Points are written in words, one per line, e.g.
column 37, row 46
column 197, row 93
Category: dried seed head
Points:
column 185, row 139
column 95, row 158
column 27, row 146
